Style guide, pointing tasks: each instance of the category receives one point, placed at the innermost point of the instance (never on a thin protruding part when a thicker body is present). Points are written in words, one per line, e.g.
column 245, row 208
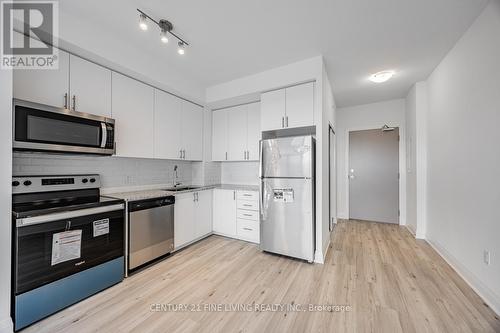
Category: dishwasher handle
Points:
column 150, row 203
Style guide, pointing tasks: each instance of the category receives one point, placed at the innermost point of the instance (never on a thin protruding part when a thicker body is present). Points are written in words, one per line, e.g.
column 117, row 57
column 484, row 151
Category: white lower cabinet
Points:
column 236, row 214
column 225, row 212
column 192, row 217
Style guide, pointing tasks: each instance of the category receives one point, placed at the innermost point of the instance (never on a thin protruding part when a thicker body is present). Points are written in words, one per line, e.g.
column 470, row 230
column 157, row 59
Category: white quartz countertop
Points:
column 157, row 193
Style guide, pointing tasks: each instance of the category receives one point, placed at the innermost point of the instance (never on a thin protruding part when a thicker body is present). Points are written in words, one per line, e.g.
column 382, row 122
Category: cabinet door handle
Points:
column 194, row 197
column 184, row 154
column 234, row 195
column 286, row 123
column 66, row 100
column 250, row 215
column 282, row 122
column 180, row 153
column 247, row 229
column 226, row 155
column 244, row 154
column 74, row 102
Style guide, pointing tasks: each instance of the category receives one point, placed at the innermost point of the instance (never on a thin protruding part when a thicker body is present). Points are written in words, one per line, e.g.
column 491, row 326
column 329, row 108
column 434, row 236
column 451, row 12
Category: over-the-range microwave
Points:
column 39, row 127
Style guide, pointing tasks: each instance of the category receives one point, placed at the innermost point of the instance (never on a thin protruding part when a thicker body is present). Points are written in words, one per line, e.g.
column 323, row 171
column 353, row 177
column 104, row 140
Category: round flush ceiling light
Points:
column 381, row 76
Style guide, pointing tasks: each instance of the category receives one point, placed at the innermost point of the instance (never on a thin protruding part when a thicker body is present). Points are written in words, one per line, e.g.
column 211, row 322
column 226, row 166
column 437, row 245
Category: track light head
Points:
column 143, row 24
column 182, row 48
column 165, row 27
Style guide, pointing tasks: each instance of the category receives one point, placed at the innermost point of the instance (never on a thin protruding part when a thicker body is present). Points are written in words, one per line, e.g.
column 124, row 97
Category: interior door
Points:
column 219, row 135
column 237, row 132
column 253, row 131
column 90, row 86
column 374, row 175
column 167, row 126
column 192, row 131
column 273, row 110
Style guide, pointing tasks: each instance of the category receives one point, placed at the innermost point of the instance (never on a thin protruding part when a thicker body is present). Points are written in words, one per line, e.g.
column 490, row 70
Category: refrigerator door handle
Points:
column 261, row 162
column 261, row 201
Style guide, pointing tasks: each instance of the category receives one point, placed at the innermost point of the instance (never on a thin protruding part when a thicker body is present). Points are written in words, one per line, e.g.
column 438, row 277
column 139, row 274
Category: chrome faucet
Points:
column 175, row 178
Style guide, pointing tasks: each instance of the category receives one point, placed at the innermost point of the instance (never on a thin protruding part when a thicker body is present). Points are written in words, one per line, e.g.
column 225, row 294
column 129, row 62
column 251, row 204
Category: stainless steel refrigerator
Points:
column 287, row 196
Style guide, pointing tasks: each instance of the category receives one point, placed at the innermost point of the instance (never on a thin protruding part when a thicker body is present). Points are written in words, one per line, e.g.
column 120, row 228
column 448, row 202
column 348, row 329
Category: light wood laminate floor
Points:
column 393, row 283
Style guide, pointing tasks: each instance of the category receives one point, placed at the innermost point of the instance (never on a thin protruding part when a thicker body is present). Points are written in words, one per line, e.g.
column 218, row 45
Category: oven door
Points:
column 44, row 128
column 41, row 255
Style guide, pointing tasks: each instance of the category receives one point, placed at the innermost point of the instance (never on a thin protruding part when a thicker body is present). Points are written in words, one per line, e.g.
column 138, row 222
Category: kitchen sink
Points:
column 182, row 188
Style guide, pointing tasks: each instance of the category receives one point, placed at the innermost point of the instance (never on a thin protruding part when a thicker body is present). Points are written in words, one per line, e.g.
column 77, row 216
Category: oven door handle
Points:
column 23, row 222
column 104, row 136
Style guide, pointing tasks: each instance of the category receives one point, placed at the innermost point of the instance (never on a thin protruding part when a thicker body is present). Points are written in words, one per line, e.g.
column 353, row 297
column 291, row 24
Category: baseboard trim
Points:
column 6, row 325
column 488, row 296
column 410, row 229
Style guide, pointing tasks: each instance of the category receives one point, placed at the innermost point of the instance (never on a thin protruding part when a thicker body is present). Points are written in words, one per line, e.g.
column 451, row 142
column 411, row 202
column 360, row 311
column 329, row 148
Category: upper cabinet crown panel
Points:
column 132, row 103
column 236, row 133
column 288, row 107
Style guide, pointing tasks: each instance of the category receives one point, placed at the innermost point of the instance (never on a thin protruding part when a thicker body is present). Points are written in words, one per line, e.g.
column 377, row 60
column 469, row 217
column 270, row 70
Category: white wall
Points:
column 368, row 116
column 303, row 71
column 463, row 155
column 5, row 196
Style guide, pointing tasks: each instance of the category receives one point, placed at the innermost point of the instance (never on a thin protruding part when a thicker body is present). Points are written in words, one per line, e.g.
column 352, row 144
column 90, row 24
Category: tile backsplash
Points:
column 114, row 171
column 244, row 173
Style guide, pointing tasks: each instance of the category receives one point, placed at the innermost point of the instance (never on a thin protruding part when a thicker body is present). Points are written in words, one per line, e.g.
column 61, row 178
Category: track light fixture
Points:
column 166, row 28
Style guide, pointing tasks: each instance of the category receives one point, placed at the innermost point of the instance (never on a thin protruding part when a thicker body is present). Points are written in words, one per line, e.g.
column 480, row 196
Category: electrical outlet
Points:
column 486, row 257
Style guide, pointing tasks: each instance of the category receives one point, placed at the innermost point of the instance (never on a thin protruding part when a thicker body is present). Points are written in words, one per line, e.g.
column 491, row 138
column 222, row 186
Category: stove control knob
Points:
column 15, row 183
column 92, row 180
column 27, row 183
column 85, row 180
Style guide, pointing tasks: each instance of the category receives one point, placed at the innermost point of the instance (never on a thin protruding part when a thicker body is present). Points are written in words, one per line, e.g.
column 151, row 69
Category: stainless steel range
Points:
column 68, row 243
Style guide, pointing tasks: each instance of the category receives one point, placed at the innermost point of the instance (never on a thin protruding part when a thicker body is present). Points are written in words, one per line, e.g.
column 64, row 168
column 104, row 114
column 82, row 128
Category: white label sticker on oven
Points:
column 66, row 246
column 101, row 227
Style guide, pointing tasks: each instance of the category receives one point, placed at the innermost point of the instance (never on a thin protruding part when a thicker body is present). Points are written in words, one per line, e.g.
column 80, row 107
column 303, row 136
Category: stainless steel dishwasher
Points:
column 151, row 230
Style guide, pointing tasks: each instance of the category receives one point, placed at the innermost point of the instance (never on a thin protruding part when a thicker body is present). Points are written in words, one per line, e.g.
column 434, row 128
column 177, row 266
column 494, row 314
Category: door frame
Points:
column 402, row 166
column 332, row 219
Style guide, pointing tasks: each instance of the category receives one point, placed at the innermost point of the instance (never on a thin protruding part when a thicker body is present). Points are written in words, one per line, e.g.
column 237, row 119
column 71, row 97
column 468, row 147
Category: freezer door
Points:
column 289, row 157
column 287, row 218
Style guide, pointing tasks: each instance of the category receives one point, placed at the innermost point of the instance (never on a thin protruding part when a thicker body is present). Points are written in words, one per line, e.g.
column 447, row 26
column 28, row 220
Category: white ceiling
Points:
column 232, row 38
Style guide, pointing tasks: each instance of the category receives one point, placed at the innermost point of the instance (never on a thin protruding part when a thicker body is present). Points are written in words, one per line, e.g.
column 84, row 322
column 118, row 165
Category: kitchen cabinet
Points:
column 192, row 217
column 272, row 105
column 203, row 213
column 183, row 220
column 44, row 86
column 167, row 126
column 89, row 87
column 288, row 108
column 132, row 108
column 192, row 131
column 219, row 135
column 253, row 131
column 236, row 133
column 236, row 214
column 178, row 128
column 224, row 212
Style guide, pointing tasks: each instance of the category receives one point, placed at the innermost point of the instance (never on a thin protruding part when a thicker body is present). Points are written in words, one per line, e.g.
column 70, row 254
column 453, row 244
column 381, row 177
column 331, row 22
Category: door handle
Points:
column 180, row 153
column 286, row 121
column 74, row 102
column 66, row 100
column 282, row 122
column 226, row 155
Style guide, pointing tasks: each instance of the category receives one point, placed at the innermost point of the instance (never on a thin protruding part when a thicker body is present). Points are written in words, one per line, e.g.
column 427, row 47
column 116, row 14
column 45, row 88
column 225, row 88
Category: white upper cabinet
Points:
column 253, row 131
column 132, row 108
column 89, row 87
column 300, row 105
column 288, row 107
column 272, row 106
column 45, row 86
column 192, row 131
column 237, row 133
column 167, row 126
column 219, row 135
